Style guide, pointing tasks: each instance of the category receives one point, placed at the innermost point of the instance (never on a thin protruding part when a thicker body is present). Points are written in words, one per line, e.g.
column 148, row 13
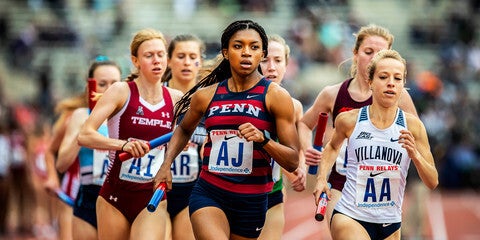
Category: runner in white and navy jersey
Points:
column 352, row 93
column 382, row 140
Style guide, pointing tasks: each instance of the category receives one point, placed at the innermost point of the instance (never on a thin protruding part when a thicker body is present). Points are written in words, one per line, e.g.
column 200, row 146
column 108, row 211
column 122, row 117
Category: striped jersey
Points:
column 230, row 162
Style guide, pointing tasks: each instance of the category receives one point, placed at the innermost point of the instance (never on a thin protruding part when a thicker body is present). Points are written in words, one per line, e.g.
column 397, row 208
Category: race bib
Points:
column 230, row 154
column 185, row 167
column 100, row 166
column 144, row 169
column 341, row 162
column 377, row 186
column 276, row 171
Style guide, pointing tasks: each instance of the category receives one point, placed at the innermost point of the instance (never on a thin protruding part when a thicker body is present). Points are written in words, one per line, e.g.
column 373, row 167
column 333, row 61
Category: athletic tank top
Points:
column 231, row 163
column 93, row 162
column 376, row 171
column 344, row 102
column 142, row 121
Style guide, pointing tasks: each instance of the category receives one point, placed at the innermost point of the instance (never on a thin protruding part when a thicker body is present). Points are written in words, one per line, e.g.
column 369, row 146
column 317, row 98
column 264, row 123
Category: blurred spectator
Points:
column 460, row 164
column 21, row 48
column 44, row 102
column 4, row 27
column 184, row 9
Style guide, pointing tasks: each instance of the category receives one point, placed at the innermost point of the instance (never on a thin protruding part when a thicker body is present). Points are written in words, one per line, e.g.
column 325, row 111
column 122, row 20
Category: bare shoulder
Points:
column 347, row 120
column 203, row 96
column 414, row 123
column 331, row 90
column 206, row 92
column 297, row 105
column 276, row 90
column 80, row 113
column 175, row 94
column 118, row 90
column 326, row 98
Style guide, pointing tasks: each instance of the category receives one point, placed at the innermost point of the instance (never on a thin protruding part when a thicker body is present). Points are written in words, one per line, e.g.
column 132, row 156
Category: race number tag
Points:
column 229, row 153
column 377, row 186
column 100, row 166
column 143, row 170
column 185, row 167
column 276, row 171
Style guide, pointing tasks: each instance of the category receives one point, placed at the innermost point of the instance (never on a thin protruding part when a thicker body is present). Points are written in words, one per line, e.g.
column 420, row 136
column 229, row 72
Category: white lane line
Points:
column 437, row 218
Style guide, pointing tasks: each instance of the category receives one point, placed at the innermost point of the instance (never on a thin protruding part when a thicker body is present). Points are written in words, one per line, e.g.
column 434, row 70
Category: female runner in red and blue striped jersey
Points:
column 242, row 112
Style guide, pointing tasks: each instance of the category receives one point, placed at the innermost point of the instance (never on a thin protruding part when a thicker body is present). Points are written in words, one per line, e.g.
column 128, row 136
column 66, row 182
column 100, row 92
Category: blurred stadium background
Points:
column 46, row 47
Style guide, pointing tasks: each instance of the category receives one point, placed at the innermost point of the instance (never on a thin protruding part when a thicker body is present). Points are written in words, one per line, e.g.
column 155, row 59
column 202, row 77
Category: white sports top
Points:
column 376, row 171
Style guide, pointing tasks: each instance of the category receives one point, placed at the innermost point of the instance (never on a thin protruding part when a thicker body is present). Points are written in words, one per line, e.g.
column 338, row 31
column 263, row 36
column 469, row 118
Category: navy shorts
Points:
column 85, row 204
column 275, row 198
column 177, row 198
column 376, row 230
column 245, row 212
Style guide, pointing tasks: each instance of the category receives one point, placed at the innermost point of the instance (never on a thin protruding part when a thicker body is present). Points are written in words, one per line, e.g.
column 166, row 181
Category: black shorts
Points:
column 275, row 198
column 376, row 230
column 246, row 213
column 85, row 204
column 177, row 198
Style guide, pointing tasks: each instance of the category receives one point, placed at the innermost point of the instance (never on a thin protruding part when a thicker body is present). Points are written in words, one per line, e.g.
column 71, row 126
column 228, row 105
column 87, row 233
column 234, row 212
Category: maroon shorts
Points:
column 129, row 202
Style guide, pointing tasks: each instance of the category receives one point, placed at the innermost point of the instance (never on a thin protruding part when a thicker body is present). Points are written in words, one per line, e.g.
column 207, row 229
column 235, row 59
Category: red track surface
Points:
column 448, row 215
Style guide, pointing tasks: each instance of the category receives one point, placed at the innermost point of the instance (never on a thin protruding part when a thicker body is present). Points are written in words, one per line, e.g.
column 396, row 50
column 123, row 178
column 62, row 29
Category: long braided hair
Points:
column 222, row 69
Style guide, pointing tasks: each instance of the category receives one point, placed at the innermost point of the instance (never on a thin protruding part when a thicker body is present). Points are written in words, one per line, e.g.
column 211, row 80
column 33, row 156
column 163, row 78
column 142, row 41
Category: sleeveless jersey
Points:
column 376, row 171
column 93, row 162
column 344, row 102
column 142, row 121
column 231, row 163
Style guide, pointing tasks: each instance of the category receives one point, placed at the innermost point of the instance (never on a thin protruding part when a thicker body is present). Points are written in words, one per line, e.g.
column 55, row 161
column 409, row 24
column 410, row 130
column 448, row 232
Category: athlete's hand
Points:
column 313, row 157
column 164, row 174
column 408, row 142
column 321, row 186
column 251, row 133
column 51, row 184
column 186, row 146
column 136, row 148
column 299, row 181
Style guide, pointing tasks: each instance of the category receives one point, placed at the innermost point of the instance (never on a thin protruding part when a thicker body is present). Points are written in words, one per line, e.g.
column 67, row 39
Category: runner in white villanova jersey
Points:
column 382, row 140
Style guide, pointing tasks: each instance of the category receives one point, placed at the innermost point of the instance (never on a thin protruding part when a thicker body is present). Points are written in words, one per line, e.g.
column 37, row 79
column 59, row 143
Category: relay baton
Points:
column 152, row 144
column 322, row 206
column 64, row 197
column 157, row 197
column 92, row 89
column 318, row 141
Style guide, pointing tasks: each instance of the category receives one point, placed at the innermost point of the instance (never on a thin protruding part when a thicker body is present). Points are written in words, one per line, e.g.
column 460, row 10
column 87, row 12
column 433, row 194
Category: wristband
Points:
column 265, row 139
column 124, row 145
